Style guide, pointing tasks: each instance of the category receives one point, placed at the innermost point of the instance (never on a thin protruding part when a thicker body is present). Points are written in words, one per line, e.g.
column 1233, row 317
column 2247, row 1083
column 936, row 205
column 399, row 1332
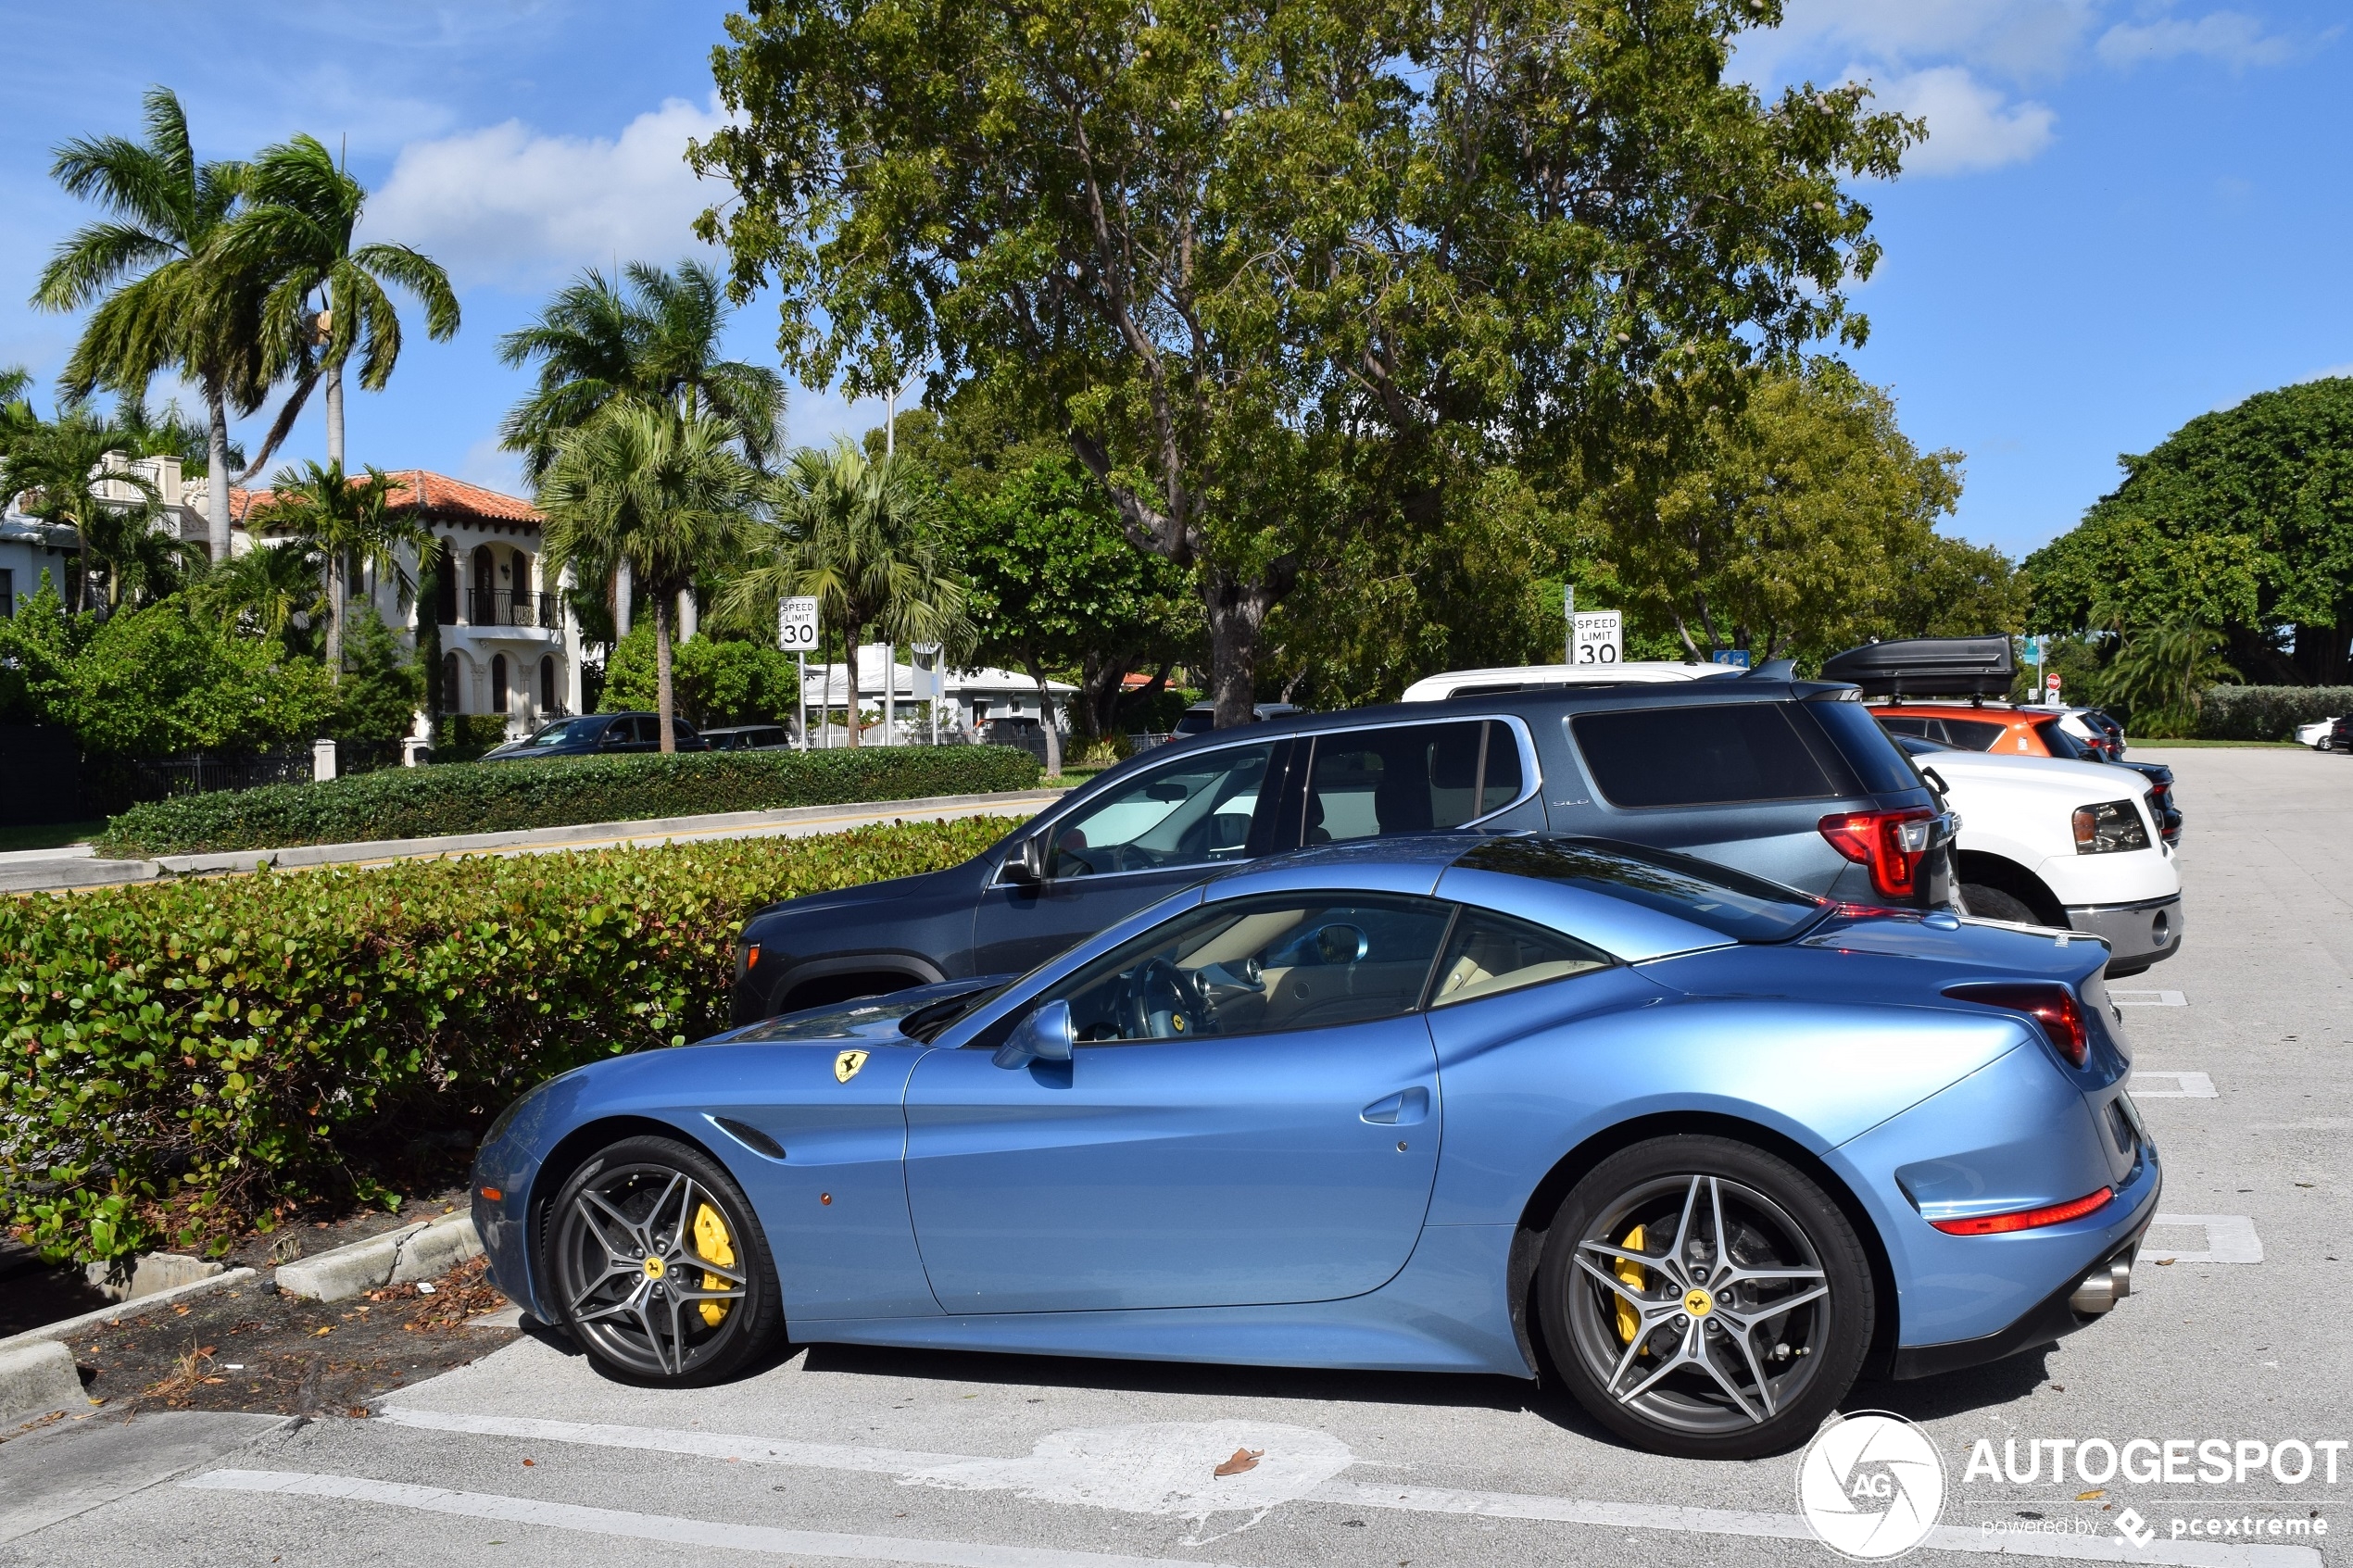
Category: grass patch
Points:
column 49, row 836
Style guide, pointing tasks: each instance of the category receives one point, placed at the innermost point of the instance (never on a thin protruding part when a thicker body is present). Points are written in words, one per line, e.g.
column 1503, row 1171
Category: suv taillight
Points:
column 2053, row 1007
column 1891, row 844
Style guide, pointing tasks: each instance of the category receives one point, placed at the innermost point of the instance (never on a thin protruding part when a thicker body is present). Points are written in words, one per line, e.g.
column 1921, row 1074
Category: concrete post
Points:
column 322, row 761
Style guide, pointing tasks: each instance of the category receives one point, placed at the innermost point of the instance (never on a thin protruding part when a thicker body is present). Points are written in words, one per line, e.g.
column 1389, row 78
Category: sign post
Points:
column 797, row 633
column 1597, row 636
column 1568, row 615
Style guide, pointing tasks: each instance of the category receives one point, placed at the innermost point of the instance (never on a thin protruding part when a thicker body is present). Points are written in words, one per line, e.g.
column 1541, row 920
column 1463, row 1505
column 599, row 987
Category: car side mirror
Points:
column 1028, row 863
column 1045, row 1036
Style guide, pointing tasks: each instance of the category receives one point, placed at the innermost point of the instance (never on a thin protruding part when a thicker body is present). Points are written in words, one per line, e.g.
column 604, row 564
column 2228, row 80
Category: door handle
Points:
column 1400, row 1109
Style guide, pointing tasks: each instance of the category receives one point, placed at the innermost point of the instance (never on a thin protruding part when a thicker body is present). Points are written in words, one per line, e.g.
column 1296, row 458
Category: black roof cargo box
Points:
column 1927, row 666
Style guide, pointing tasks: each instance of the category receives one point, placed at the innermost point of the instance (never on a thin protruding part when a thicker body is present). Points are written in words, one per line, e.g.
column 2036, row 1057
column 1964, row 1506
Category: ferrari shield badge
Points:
column 847, row 1064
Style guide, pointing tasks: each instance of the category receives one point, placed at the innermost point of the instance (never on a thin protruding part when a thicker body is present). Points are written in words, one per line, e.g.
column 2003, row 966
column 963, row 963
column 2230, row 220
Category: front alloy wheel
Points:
column 1705, row 1299
column 661, row 1272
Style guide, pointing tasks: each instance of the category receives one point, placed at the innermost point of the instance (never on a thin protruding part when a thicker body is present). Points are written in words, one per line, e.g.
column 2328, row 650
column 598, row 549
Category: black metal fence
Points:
column 493, row 607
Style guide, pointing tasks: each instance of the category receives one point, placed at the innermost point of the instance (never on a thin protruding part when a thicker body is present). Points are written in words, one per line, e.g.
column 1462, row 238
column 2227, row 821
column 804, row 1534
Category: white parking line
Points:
column 2229, row 1238
column 668, row 1529
column 2185, row 1086
column 2147, row 998
column 1350, row 1494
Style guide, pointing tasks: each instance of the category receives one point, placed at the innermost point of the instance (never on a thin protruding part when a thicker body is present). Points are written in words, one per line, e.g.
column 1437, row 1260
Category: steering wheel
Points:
column 1163, row 1002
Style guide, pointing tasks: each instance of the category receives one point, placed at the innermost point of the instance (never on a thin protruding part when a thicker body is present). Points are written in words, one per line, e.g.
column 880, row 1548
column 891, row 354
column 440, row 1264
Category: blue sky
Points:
column 2128, row 211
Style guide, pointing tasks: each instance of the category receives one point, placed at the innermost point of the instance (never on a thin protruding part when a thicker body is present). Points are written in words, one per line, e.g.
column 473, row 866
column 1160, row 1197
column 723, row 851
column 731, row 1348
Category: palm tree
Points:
column 2161, row 673
column 655, row 341
column 170, row 299
column 166, row 432
column 275, row 591
column 62, row 472
column 328, row 297
column 862, row 537
column 659, row 490
column 16, row 410
column 348, row 521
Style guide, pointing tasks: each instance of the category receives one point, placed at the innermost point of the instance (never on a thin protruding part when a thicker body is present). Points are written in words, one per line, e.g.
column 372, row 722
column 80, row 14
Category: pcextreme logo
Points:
column 1870, row 1485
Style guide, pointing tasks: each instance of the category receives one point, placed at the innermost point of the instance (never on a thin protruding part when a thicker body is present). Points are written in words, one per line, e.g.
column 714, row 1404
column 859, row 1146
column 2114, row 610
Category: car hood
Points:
column 866, row 1018
column 2055, row 776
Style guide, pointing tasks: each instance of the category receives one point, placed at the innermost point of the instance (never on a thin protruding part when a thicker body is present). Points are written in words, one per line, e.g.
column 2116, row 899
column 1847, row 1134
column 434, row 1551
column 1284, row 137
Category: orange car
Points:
column 2006, row 731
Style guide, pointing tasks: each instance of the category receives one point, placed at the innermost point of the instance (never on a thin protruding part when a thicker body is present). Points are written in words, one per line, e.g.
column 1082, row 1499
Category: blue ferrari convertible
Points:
column 1702, row 1148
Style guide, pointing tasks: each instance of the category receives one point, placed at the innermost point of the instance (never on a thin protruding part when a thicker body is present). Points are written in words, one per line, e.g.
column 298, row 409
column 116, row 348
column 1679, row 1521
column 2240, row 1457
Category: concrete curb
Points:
column 37, row 1379
column 68, row 1328
column 140, row 1277
column 57, row 871
column 412, row 1252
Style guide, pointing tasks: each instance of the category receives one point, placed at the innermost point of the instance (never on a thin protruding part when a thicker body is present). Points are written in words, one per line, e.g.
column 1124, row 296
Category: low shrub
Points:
column 180, row 1058
column 2268, row 712
column 558, row 791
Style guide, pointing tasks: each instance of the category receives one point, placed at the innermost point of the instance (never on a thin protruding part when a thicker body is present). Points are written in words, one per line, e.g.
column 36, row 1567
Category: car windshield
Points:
column 925, row 1022
column 1734, row 903
column 571, row 730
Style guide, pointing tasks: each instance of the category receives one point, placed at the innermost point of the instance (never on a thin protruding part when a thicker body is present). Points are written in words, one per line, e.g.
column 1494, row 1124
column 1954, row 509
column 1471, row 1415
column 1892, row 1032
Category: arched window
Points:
column 498, row 683
column 548, row 683
column 445, row 584
column 452, row 699
column 527, row 606
column 483, row 611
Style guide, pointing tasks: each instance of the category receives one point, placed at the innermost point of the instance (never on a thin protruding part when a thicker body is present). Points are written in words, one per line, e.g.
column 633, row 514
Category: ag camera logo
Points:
column 1871, row 1485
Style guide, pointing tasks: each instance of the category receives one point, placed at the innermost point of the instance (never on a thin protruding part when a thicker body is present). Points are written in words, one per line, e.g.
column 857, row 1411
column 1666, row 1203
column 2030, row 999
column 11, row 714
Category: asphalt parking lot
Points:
column 833, row 1454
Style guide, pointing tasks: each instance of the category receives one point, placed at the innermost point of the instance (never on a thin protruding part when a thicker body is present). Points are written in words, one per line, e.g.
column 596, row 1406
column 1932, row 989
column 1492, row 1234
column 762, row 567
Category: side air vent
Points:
column 750, row 1138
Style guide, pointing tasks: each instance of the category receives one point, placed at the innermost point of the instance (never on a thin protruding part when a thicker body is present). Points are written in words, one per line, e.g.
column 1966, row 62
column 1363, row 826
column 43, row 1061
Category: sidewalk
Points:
column 40, row 870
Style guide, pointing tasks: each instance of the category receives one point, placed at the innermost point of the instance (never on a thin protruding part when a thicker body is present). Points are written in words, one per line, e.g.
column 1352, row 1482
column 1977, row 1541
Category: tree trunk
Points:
column 216, row 490
column 336, row 594
column 1046, row 719
column 1237, row 614
column 662, row 706
column 334, row 416
column 621, row 592
column 850, row 633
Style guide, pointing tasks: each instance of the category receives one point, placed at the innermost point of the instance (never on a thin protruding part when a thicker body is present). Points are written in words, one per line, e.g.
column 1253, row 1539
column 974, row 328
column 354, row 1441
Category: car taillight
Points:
column 2107, row 828
column 2053, row 1007
column 2028, row 1219
column 1889, row 843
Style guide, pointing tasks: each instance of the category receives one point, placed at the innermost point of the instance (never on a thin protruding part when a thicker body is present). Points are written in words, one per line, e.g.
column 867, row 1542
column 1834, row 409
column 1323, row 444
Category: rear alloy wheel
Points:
column 1991, row 903
column 661, row 1270
column 1705, row 1298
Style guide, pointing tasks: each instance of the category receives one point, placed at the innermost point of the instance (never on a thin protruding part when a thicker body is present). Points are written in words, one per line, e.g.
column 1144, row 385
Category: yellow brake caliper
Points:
column 712, row 1245
column 1631, row 1273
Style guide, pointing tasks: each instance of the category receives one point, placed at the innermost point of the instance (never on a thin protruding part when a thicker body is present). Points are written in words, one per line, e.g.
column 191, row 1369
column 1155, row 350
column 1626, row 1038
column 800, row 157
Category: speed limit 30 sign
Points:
column 1599, row 637
column 797, row 624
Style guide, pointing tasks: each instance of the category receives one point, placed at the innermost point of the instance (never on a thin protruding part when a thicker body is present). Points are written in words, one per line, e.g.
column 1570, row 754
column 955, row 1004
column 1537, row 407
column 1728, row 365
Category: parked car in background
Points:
column 1202, row 718
column 1788, row 779
column 598, row 735
column 2320, row 735
column 1705, row 1148
column 2340, row 735
column 1543, row 677
column 2048, row 841
column 749, row 737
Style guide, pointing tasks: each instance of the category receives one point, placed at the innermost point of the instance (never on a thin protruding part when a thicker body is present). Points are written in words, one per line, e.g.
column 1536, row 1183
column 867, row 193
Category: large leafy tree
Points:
column 661, row 491
column 1056, row 587
column 651, row 336
column 168, row 298
column 862, row 537
column 1283, row 273
column 348, row 523
column 2242, row 521
column 1804, row 523
column 328, row 297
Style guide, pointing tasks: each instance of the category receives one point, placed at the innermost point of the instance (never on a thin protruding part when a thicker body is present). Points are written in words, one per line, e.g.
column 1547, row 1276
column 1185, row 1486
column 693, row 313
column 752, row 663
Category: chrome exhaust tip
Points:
column 2102, row 1289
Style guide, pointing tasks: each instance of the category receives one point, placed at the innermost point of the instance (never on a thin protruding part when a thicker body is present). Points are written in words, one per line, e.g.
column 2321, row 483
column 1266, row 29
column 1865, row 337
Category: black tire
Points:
column 1991, row 903
column 645, row 1285
column 1649, row 1356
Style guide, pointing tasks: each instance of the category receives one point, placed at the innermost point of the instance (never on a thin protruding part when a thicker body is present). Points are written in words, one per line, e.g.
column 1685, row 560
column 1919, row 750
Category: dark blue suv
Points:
column 1790, row 780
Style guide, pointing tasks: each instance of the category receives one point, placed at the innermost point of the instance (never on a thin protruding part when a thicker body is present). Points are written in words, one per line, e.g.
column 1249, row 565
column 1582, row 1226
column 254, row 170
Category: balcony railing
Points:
column 490, row 606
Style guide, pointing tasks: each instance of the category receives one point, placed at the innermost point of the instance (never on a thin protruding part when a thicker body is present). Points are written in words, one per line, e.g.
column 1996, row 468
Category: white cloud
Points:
column 506, row 204
column 2020, row 39
column 2232, row 37
column 1970, row 126
column 494, row 467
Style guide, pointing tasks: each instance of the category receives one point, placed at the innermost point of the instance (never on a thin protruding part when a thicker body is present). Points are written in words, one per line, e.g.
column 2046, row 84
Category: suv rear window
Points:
column 1882, row 767
column 1715, row 755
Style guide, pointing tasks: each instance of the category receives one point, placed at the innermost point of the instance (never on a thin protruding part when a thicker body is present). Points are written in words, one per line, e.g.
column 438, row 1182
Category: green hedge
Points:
column 180, row 1058
column 2268, row 712
column 557, row 792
